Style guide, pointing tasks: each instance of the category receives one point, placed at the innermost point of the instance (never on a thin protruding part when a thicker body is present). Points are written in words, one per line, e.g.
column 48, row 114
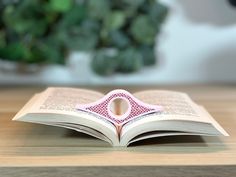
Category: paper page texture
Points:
column 175, row 105
column 59, row 105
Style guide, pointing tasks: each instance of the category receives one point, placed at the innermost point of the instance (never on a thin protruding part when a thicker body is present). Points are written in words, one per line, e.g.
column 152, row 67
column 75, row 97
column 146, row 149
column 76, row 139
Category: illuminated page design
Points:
column 136, row 108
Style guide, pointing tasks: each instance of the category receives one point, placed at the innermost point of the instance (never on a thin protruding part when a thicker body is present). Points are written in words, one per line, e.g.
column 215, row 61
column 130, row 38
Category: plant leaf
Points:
column 119, row 39
column 61, row 5
column 143, row 30
column 130, row 60
column 104, row 63
column 98, row 9
column 115, row 20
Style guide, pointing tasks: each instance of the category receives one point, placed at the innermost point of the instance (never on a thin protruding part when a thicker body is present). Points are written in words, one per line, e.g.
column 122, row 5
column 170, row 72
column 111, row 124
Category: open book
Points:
column 117, row 119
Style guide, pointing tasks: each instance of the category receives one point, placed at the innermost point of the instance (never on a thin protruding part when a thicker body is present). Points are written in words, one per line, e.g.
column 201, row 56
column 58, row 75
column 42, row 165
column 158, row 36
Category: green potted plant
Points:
column 46, row 31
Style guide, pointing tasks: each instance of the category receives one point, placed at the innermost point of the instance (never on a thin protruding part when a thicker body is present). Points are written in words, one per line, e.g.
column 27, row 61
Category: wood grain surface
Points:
column 29, row 149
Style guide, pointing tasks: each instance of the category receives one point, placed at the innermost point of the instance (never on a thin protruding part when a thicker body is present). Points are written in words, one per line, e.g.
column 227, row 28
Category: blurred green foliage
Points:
column 45, row 31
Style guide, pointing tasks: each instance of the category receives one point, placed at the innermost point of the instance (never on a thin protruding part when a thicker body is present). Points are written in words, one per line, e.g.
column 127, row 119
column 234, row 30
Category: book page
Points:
column 66, row 99
column 59, row 105
column 175, row 105
column 179, row 113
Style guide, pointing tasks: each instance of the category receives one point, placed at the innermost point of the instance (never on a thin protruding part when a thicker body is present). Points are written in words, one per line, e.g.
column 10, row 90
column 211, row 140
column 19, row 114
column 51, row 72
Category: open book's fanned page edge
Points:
column 162, row 134
column 181, row 126
column 213, row 121
column 202, row 118
column 86, row 130
column 31, row 113
column 79, row 128
column 26, row 107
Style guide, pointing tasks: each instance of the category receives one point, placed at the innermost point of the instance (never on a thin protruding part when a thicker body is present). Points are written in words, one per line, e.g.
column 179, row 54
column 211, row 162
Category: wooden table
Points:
column 36, row 150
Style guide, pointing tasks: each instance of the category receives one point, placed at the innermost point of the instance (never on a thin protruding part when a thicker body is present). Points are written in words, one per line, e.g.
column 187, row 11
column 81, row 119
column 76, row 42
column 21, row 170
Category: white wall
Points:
column 198, row 44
